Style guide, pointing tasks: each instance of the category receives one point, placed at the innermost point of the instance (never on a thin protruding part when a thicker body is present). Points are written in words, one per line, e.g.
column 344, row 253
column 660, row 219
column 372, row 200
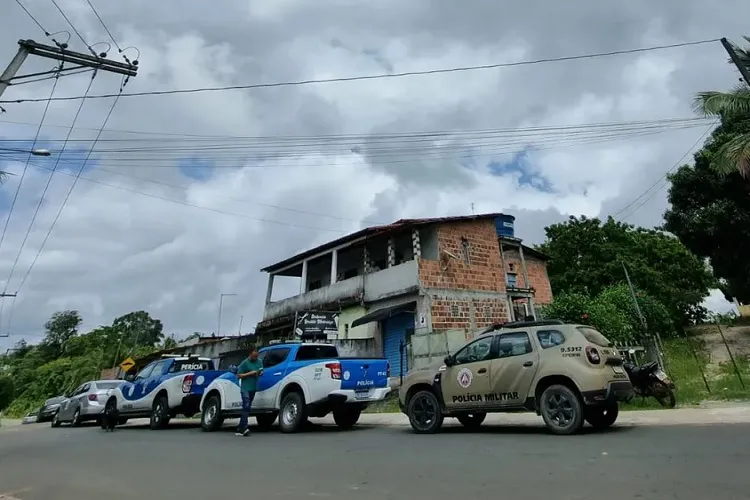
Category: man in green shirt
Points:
column 248, row 372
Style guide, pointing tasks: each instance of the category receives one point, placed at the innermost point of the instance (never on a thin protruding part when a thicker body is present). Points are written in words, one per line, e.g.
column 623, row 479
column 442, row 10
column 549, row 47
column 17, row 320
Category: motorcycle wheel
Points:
column 663, row 394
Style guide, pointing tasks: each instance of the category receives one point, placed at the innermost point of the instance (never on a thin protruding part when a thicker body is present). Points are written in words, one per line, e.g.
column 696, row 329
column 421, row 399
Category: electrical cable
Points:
column 677, row 164
column 104, row 25
column 75, row 30
column 25, row 168
column 382, row 75
column 200, row 207
column 67, row 196
column 46, row 33
column 46, row 187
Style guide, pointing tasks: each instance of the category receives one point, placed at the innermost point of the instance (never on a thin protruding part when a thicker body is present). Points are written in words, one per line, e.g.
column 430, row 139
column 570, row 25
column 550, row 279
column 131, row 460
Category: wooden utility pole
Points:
column 79, row 60
column 744, row 71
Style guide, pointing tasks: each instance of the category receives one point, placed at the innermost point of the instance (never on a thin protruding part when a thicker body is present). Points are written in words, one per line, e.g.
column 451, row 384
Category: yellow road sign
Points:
column 127, row 364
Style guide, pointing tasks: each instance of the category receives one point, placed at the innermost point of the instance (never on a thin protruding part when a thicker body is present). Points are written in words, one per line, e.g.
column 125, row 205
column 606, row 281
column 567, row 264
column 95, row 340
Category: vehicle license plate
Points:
column 362, row 394
column 661, row 375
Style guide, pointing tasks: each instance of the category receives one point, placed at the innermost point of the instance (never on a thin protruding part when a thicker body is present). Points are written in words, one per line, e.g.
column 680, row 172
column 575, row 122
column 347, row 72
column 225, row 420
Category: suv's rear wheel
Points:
column 561, row 410
column 472, row 420
column 601, row 417
column 292, row 414
column 425, row 414
column 159, row 413
column 211, row 417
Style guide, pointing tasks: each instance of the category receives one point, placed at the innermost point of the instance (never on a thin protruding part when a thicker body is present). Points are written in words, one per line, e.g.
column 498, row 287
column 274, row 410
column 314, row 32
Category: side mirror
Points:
column 449, row 361
column 233, row 369
column 130, row 377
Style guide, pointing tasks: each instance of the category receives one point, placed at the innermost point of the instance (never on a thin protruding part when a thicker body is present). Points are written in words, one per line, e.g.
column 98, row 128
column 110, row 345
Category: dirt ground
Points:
column 737, row 338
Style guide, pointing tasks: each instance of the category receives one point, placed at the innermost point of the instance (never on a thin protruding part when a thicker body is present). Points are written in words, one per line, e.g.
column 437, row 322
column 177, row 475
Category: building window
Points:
column 466, row 249
column 510, row 280
column 454, row 310
column 350, row 273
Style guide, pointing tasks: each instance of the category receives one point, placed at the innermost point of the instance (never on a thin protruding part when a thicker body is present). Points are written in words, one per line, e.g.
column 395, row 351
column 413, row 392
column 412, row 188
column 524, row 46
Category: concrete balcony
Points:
column 390, row 282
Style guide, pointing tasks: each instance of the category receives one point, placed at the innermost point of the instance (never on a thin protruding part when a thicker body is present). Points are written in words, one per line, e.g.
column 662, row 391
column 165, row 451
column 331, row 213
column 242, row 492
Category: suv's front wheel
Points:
column 425, row 414
column 601, row 417
column 561, row 410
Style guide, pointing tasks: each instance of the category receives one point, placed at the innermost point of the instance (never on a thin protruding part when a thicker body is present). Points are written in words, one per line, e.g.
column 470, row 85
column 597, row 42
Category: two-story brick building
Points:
column 392, row 283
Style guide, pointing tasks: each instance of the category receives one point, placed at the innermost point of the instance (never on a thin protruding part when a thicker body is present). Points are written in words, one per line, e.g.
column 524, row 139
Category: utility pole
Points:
column 221, row 302
column 7, row 294
column 239, row 330
column 744, row 71
column 61, row 53
column 659, row 358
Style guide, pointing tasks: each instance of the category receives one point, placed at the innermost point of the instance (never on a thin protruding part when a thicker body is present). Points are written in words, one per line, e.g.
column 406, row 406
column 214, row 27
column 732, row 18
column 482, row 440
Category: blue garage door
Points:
column 394, row 332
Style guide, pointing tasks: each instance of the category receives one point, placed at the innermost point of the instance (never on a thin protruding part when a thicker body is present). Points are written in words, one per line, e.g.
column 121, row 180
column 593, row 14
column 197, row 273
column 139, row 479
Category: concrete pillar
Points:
column 269, row 291
column 504, row 275
column 366, row 256
column 416, row 245
column 391, row 252
column 303, row 280
column 334, row 266
column 523, row 267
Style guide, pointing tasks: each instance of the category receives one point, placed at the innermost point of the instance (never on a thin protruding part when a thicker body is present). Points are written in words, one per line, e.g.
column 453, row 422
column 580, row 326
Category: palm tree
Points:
column 734, row 155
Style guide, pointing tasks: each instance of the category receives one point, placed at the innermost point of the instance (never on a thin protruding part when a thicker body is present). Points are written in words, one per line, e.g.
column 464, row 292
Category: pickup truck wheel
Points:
column 561, row 410
column 211, row 417
column 601, row 417
column 346, row 418
column 159, row 413
column 292, row 414
column 266, row 420
column 472, row 420
column 424, row 412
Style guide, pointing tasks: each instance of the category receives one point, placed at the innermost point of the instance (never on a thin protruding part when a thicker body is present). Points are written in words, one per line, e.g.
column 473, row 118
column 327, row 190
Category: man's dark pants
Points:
column 247, row 402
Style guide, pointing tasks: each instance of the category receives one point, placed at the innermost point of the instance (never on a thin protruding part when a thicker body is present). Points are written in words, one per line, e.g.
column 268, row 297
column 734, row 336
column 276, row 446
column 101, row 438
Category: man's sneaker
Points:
column 246, row 432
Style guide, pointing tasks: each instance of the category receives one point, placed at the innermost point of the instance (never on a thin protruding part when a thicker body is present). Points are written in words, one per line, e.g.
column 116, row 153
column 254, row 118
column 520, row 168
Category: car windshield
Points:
column 594, row 336
column 53, row 401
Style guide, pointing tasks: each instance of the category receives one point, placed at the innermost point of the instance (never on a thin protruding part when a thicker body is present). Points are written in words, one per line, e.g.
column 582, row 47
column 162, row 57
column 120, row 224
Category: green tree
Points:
column 139, row 329
column 734, row 154
column 61, row 327
column 710, row 212
column 7, row 391
column 586, row 257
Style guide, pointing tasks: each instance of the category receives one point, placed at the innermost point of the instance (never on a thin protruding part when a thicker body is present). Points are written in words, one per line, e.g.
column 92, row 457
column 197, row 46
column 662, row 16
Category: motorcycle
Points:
column 650, row 380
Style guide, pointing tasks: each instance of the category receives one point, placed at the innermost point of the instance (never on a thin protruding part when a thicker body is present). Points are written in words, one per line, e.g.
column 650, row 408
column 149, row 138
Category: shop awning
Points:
column 384, row 313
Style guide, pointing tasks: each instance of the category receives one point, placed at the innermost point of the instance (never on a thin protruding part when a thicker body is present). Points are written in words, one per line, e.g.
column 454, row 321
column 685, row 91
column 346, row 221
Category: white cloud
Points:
column 114, row 250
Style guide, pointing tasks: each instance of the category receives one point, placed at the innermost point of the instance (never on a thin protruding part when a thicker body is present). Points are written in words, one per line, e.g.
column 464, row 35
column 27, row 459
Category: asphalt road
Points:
column 679, row 462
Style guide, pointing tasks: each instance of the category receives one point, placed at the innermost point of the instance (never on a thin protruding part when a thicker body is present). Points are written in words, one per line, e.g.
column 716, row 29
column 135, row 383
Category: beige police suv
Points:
column 566, row 373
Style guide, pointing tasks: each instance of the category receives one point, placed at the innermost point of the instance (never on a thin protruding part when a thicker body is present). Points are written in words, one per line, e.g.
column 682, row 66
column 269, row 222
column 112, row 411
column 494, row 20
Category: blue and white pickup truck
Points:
column 165, row 388
column 300, row 380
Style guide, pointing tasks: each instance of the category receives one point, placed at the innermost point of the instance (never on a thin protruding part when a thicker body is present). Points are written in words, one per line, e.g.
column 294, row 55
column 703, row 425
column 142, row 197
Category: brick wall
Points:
column 451, row 314
column 482, row 273
column 537, row 270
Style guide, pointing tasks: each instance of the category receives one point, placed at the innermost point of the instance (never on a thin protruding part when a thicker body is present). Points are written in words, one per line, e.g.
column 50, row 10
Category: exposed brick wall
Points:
column 537, row 270
column 484, row 273
column 451, row 314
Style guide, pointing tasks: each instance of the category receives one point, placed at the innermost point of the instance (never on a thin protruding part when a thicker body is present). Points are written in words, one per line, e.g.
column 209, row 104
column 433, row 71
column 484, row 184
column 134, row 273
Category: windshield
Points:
column 594, row 336
column 53, row 401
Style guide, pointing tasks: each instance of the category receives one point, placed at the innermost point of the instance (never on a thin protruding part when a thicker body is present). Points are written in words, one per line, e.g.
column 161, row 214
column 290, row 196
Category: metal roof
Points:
column 374, row 231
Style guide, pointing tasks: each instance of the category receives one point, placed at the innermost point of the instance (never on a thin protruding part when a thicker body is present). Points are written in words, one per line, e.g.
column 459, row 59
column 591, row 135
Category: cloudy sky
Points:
column 210, row 194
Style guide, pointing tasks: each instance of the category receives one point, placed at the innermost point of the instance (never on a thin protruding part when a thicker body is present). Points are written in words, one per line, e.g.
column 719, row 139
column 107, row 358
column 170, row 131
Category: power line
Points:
column 104, row 26
column 75, row 30
column 44, row 191
column 663, row 177
column 67, row 196
column 25, row 168
column 382, row 75
column 200, row 207
column 32, row 17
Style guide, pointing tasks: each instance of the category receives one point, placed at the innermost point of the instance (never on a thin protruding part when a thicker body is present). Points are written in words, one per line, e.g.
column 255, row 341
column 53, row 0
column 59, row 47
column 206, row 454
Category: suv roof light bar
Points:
column 524, row 324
